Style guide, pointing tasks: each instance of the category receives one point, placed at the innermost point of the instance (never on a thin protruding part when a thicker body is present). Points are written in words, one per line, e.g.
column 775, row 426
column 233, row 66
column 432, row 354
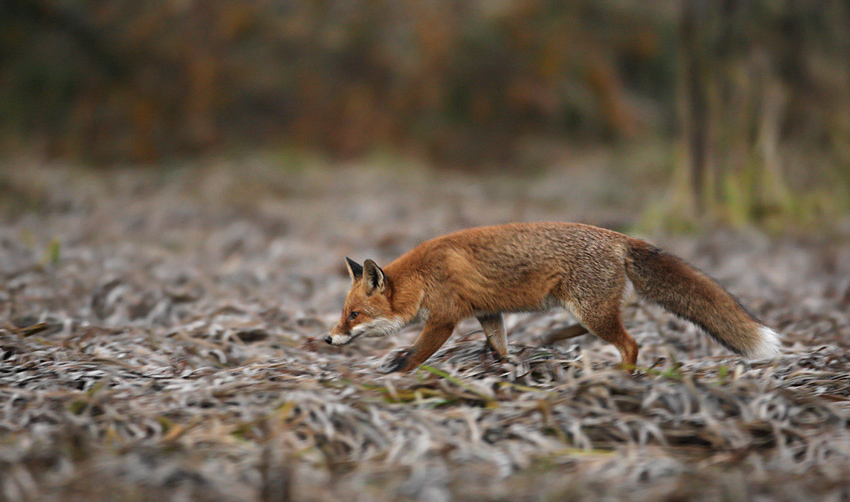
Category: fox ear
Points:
column 373, row 277
column 354, row 269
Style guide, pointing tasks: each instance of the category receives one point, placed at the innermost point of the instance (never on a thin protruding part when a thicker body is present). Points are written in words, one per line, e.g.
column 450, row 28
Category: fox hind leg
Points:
column 602, row 318
column 494, row 329
column 598, row 309
column 607, row 325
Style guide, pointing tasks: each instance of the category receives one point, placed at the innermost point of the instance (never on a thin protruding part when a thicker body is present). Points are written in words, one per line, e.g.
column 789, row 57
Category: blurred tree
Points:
column 752, row 80
column 467, row 83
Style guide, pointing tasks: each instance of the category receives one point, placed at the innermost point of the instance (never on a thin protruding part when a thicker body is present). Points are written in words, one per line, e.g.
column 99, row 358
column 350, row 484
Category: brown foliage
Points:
column 461, row 82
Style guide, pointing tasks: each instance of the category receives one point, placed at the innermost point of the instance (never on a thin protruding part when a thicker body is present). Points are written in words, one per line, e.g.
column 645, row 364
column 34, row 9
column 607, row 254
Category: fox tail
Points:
column 685, row 291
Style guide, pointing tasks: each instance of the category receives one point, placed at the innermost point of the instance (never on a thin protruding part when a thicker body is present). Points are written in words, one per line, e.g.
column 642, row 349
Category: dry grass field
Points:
column 161, row 339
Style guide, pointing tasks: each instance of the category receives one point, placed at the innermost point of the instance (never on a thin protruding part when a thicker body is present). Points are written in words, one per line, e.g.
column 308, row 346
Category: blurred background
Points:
column 741, row 107
column 180, row 181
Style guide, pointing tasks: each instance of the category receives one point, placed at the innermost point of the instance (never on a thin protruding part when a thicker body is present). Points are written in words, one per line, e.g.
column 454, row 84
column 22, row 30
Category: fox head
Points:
column 367, row 310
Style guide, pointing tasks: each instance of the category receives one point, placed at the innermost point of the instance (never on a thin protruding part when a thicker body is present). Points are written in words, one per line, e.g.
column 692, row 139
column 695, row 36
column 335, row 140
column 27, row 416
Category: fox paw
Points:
column 492, row 352
column 396, row 360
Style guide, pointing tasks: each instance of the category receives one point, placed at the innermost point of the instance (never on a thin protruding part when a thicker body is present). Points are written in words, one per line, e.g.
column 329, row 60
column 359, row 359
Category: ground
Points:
column 161, row 338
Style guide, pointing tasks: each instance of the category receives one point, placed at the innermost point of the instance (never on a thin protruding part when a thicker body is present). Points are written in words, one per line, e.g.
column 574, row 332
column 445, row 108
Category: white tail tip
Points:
column 768, row 346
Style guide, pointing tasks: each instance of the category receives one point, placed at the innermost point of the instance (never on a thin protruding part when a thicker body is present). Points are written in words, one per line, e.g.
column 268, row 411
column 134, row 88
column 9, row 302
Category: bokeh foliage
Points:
column 764, row 107
column 462, row 82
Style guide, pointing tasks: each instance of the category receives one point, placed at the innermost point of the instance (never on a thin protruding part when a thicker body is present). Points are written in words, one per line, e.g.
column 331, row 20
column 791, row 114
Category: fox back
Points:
column 484, row 272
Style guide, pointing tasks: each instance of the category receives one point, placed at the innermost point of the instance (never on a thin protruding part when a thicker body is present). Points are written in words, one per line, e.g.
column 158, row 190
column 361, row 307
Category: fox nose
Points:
column 328, row 339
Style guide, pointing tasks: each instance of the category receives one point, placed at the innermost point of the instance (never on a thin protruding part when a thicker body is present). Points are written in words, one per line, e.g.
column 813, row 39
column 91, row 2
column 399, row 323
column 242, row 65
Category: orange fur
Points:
column 518, row 267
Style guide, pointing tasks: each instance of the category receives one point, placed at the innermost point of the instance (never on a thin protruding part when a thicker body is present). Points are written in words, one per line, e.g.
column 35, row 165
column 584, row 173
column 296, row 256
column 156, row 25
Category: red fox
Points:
column 524, row 267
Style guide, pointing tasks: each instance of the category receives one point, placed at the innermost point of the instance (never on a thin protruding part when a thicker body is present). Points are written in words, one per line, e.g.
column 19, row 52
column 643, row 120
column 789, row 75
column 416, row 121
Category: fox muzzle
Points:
column 338, row 339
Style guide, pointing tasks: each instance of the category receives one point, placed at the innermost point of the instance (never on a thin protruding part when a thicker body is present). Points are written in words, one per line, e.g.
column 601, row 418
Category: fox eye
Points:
column 353, row 315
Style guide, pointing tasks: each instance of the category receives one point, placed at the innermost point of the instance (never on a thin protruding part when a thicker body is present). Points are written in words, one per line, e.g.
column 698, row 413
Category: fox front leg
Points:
column 433, row 336
column 494, row 328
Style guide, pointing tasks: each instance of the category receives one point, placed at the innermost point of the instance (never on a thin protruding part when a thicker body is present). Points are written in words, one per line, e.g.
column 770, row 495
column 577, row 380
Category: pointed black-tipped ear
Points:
column 354, row 269
column 373, row 277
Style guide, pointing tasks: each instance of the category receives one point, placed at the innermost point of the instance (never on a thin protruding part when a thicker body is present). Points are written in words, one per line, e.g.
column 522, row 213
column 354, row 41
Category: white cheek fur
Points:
column 377, row 327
